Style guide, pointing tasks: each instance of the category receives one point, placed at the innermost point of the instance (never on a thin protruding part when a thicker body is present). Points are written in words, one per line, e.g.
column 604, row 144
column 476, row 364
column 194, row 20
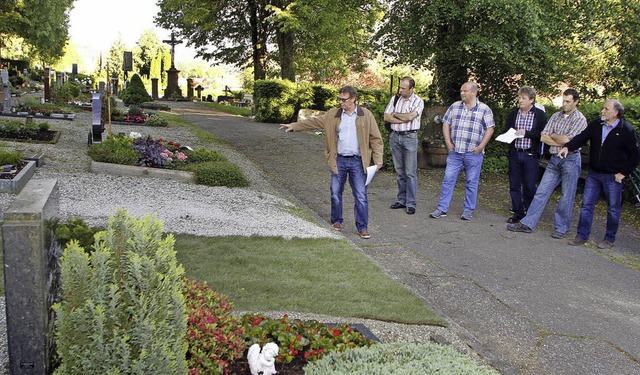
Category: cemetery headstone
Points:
column 97, row 126
column 154, row 88
column 47, row 84
column 6, row 92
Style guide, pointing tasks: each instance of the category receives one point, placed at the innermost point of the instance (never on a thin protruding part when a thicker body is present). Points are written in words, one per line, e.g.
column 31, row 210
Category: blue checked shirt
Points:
column 524, row 122
column 468, row 127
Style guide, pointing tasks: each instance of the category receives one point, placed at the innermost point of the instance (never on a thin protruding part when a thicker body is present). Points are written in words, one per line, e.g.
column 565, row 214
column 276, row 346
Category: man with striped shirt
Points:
column 404, row 113
column 524, row 152
column 467, row 128
column 561, row 128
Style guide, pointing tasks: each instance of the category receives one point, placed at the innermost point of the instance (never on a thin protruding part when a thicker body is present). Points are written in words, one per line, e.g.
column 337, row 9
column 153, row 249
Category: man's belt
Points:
column 406, row 132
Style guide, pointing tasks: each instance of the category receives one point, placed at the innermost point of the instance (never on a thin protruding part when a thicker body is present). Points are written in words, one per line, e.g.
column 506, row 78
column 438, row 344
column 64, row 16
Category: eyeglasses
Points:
column 344, row 99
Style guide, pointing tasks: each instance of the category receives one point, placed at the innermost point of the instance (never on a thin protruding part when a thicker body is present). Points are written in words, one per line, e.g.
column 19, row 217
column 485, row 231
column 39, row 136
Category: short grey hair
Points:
column 618, row 106
column 528, row 91
column 353, row 93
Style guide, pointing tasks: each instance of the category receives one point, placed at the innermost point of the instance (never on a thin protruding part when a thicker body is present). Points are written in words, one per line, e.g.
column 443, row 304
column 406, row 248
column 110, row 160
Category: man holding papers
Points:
column 528, row 121
column 352, row 138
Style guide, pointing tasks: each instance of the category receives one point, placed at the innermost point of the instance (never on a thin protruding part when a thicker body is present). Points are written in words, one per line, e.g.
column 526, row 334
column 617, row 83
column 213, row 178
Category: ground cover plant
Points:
column 234, row 110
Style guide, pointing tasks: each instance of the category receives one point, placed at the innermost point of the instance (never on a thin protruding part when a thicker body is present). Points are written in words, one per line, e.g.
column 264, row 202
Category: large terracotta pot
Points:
column 436, row 153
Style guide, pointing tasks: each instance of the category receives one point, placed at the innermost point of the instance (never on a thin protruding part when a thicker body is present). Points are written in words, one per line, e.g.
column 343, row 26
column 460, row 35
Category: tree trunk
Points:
column 257, row 20
column 285, row 50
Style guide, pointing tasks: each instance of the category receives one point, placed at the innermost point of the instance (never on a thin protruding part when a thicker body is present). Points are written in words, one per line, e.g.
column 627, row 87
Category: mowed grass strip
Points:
column 322, row 276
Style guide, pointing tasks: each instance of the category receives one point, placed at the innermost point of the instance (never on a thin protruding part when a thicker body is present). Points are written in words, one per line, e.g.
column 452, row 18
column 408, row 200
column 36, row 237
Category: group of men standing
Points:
column 352, row 139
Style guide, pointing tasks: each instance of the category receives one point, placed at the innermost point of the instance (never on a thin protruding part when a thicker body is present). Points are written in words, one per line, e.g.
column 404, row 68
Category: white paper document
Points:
column 371, row 171
column 509, row 136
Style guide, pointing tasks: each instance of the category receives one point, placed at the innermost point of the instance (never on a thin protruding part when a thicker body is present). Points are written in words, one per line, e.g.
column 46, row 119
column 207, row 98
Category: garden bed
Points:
column 15, row 184
column 53, row 116
column 46, row 136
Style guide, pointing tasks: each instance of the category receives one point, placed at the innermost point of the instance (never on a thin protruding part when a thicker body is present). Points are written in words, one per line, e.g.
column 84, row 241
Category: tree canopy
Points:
column 503, row 44
column 42, row 24
column 314, row 38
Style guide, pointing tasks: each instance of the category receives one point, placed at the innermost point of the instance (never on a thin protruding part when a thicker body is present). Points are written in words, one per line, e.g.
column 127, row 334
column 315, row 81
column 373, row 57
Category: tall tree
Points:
column 149, row 45
column 42, row 24
column 223, row 31
column 501, row 44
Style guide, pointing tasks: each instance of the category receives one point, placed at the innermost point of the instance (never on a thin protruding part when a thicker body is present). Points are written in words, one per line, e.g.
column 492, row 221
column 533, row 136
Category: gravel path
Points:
column 260, row 210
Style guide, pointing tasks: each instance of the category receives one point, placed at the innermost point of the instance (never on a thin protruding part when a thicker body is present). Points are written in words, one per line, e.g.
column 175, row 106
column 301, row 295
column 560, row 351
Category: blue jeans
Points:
column 352, row 168
column 404, row 150
column 594, row 185
column 523, row 175
column 472, row 164
column 567, row 172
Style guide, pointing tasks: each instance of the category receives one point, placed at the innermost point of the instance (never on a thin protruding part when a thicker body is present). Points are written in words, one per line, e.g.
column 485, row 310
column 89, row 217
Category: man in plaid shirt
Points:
column 528, row 121
column 467, row 128
column 561, row 128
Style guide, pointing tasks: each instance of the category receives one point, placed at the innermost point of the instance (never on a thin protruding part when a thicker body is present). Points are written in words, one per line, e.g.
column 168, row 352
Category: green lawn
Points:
column 322, row 276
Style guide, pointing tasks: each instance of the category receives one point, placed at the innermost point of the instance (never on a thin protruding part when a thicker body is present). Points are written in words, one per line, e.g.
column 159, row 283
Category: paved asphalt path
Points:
column 526, row 302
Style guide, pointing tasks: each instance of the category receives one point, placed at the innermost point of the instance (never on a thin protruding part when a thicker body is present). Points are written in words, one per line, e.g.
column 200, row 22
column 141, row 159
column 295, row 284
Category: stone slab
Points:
column 16, row 184
column 131, row 170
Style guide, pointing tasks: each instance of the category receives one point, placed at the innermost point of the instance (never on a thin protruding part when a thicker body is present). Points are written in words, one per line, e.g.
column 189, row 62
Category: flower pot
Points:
column 436, row 153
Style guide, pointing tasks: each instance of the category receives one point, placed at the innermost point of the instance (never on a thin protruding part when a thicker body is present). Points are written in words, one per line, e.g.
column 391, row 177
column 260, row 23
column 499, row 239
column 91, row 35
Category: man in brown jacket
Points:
column 352, row 138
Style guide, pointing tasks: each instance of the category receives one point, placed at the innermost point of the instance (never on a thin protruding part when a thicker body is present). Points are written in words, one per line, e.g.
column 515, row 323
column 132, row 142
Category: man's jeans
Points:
column 404, row 150
column 350, row 167
column 523, row 175
column 594, row 185
column 472, row 164
column 567, row 172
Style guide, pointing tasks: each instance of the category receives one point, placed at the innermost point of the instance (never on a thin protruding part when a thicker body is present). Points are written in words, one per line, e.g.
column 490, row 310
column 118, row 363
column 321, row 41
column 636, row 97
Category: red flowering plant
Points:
column 215, row 337
column 310, row 339
column 138, row 119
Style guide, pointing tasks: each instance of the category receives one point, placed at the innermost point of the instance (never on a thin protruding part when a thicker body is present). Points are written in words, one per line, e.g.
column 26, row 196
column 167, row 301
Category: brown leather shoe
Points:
column 337, row 226
column 577, row 241
column 364, row 234
column 605, row 245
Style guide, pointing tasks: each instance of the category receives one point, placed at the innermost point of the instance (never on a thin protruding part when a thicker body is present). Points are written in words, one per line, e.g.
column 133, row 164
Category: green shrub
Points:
column 202, row 155
column 275, row 101
column 122, row 307
column 397, row 358
column 11, row 158
column 43, row 126
column 135, row 93
column 157, row 120
column 10, row 127
column 135, row 110
column 324, row 97
column 219, row 173
column 67, row 92
column 116, row 150
column 73, row 229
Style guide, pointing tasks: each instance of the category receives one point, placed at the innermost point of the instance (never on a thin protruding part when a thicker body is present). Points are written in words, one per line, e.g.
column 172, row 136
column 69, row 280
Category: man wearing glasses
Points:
column 404, row 113
column 352, row 138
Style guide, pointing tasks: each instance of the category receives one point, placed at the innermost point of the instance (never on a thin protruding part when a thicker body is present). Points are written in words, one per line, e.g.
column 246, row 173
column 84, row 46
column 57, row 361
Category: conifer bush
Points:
column 136, row 93
column 122, row 309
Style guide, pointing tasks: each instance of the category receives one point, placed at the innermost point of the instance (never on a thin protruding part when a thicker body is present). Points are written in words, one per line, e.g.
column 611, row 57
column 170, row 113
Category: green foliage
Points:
column 397, row 358
column 220, row 173
column 74, row 228
column 11, row 157
column 312, row 339
column 215, row 337
column 122, row 308
column 202, row 155
column 67, row 92
column 275, row 101
column 15, row 128
column 117, row 150
column 135, row 93
column 324, row 97
column 157, row 120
